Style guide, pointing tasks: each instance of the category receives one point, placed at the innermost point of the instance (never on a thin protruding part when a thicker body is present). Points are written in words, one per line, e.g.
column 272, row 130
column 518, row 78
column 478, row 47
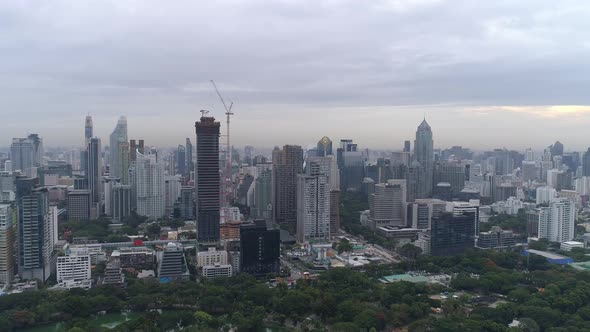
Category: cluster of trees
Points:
column 544, row 297
column 516, row 223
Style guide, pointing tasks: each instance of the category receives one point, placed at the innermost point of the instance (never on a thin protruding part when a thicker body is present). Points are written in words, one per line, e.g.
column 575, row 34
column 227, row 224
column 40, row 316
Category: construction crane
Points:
column 228, row 113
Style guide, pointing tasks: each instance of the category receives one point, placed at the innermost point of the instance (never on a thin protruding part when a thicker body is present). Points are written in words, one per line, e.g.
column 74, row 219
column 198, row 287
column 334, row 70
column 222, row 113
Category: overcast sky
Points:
column 485, row 73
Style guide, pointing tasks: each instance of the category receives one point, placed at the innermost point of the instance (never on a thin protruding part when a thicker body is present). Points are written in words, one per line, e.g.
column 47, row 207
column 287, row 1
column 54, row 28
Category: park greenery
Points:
column 545, row 297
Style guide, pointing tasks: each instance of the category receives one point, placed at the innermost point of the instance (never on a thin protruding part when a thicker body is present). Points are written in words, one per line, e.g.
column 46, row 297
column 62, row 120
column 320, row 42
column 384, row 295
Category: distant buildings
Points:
column 496, row 238
column 207, row 179
column 424, row 155
column 388, row 204
column 8, row 230
column 119, row 151
column 149, row 183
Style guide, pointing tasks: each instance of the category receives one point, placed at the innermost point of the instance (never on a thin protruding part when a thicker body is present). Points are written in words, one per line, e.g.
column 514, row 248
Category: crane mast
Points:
column 228, row 182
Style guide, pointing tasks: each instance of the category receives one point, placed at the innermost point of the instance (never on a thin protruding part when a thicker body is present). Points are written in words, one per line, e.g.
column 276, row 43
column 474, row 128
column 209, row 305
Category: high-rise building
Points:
column 35, row 230
column 546, row 195
column 8, row 228
column 181, row 160
column 207, row 179
column 452, row 234
column 388, row 204
column 415, row 181
column 21, row 154
column 407, row 146
column 424, row 154
column 313, row 201
column 334, row 211
column 79, row 202
column 134, row 147
column 451, row 172
column 530, row 171
column 149, row 183
column 73, row 270
column 351, row 164
column 186, row 203
column 287, row 164
column 189, row 159
column 94, row 172
column 172, row 264
column 120, row 202
column 38, row 151
column 496, row 238
column 557, row 221
column 118, row 136
column 262, row 207
column 172, row 185
column 556, row 149
column 260, row 249
column 585, row 163
column 422, row 211
column 324, row 147
column 88, row 130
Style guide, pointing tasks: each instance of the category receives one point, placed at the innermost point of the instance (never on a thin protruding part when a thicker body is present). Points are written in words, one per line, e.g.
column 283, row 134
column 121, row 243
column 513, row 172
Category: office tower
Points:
column 582, row 185
column 134, row 147
column 313, row 201
column 324, row 147
column 422, row 211
column 407, row 147
column 186, row 203
column 181, row 160
column 207, row 179
column 119, row 135
column 172, row 187
column 171, row 264
column 287, row 164
column 334, row 211
column 530, row 171
column 35, row 230
column 8, row 228
column 262, row 205
column 79, row 202
column 21, row 154
column 88, row 130
column 424, row 155
column 556, row 149
column 452, row 234
column 94, row 171
column 529, row 155
column 123, row 161
column 38, row 151
column 189, row 159
column 120, row 202
column 558, row 179
column 585, row 163
column 351, row 164
column 150, row 188
column 108, row 184
column 557, row 221
column 8, row 166
column 443, row 191
column 414, row 181
column 73, row 270
column 451, row 172
column 171, row 163
column 260, row 249
column 470, row 208
column 248, row 152
column 388, row 204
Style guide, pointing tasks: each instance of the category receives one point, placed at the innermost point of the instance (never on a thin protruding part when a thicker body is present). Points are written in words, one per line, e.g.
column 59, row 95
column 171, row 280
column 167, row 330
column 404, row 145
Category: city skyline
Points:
column 361, row 71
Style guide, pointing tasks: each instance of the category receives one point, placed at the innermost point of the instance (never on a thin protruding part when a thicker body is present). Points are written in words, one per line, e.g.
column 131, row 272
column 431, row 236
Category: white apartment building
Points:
column 73, row 271
column 211, row 257
column 557, row 222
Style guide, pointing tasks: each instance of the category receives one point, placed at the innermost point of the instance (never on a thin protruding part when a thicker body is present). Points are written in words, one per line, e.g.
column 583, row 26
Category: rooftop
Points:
column 404, row 277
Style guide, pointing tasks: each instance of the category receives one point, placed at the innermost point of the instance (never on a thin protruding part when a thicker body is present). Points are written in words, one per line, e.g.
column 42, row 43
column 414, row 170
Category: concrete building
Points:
column 120, row 202
column 313, row 201
column 119, row 151
column 94, row 175
column 263, row 188
column 8, row 229
column 496, row 238
column 217, row 271
column 582, row 185
column 470, row 208
column 173, row 187
column 557, row 221
column 287, row 164
column 510, row 206
column 569, row 245
column 388, row 204
column 423, row 210
column 79, row 203
column 172, row 264
column 149, row 182
column 351, row 165
column 140, row 258
column 73, row 271
column 530, row 171
column 35, row 230
column 207, row 179
column 211, row 257
column 546, row 195
column 424, row 155
column 113, row 274
column 186, row 203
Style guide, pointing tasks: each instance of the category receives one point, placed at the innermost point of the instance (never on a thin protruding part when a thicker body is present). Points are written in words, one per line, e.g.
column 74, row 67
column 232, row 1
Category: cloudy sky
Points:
column 484, row 73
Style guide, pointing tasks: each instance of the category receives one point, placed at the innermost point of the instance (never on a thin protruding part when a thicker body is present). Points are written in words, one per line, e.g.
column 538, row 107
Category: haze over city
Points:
column 485, row 75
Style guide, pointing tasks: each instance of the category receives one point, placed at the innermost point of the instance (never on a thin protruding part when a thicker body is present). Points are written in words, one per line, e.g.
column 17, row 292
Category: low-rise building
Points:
column 73, row 270
column 217, row 271
column 569, row 245
column 136, row 257
column 496, row 238
column 211, row 257
column 172, row 264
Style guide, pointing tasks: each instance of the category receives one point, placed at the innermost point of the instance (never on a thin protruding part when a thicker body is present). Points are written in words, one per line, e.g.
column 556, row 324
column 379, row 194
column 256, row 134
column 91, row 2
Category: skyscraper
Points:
column 7, row 242
column 585, row 163
column 388, row 204
column 262, row 207
column 407, row 146
column 149, row 183
column 88, row 130
column 313, row 201
column 556, row 149
column 423, row 154
column 189, row 158
column 260, row 249
column 35, row 230
column 135, row 146
column 324, row 147
column 181, row 160
column 119, row 135
column 38, row 151
column 207, row 179
column 557, row 222
column 120, row 202
column 287, row 164
column 452, row 233
column 94, row 170
column 21, row 154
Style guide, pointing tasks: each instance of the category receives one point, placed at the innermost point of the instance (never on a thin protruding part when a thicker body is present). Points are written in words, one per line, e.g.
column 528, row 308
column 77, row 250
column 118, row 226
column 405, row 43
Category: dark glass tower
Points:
column 260, row 249
column 207, row 180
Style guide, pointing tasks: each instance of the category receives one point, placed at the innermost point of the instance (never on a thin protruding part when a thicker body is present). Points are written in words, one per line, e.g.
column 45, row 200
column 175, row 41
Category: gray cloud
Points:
column 317, row 64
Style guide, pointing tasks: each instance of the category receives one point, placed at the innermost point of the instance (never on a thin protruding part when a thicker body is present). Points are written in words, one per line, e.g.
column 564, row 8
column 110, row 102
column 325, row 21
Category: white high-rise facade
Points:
column 557, row 222
column 583, row 185
column 313, row 201
column 149, row 182
column 546, row 195
column 388, row 204
column 73, row 270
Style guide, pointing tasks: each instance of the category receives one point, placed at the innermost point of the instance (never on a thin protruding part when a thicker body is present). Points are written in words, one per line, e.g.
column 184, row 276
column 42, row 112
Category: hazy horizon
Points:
column 485, row 75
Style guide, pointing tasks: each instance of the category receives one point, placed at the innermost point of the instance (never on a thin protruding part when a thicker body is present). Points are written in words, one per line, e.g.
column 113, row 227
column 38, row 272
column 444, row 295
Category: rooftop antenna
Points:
column 203, row 113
